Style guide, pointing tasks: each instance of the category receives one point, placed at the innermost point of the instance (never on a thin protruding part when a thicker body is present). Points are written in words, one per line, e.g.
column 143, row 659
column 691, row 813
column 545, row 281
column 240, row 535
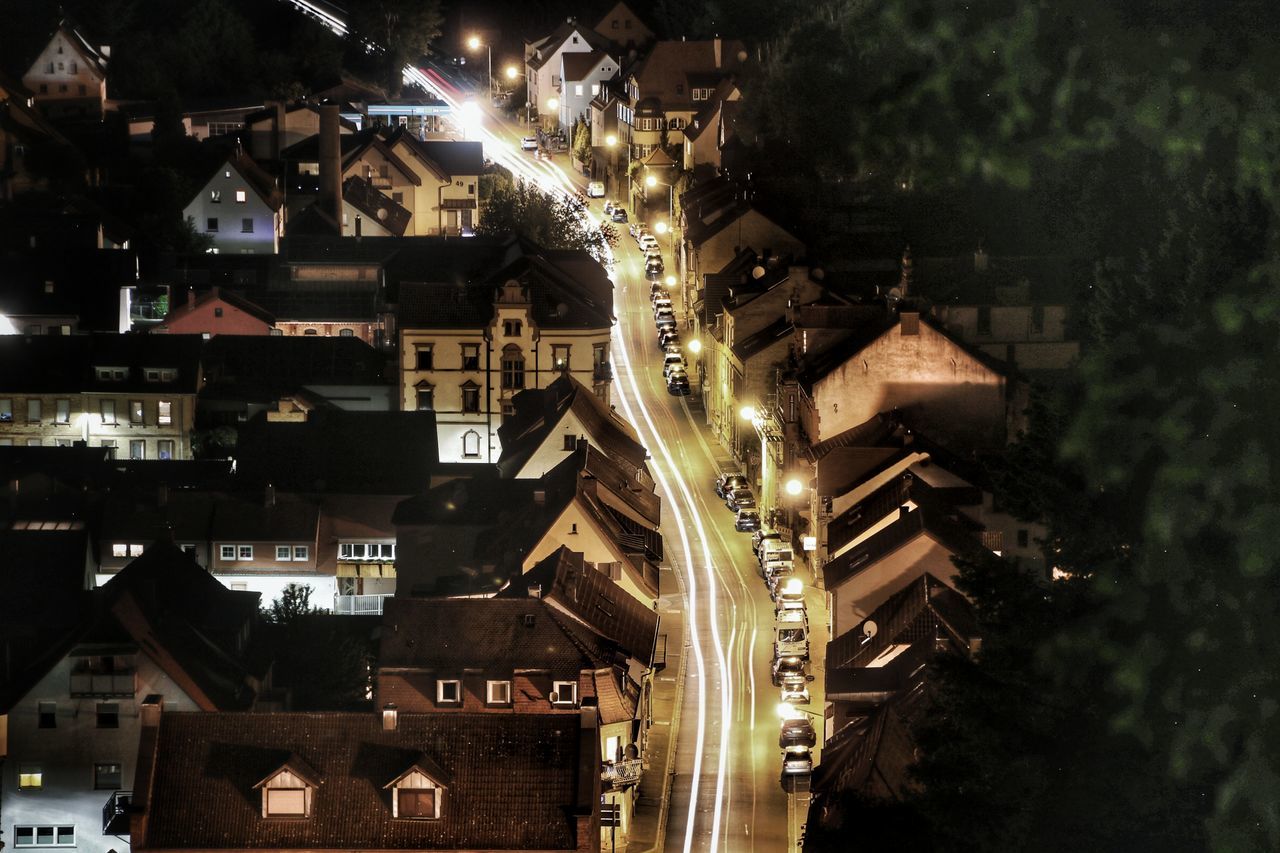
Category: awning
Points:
column 366, row 570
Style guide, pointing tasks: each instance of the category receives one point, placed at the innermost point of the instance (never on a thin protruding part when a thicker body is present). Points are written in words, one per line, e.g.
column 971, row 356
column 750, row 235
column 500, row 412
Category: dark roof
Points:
column 336, row 302
column 867, row 512
column 258, row 518
column 565, row 579
column 874, row 432
column 384, row 453
column 65, row 364
column 672, row 66
column 922, row 612
column 447, row 157
column 282, row 364
column 511, row 781
column 539, row 412
column 779, row 330
column 547, row 46
column 142, row 514
column 578, row 65
column 352, row 146
column 376, row 205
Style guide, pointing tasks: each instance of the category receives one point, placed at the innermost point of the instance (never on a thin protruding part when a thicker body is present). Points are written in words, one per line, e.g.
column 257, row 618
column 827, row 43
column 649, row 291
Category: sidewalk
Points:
column 649, row 824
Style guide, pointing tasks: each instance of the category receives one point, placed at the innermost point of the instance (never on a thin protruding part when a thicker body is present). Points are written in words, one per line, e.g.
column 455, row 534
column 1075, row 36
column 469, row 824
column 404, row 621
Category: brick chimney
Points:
column 330, row 164
column 717, row 46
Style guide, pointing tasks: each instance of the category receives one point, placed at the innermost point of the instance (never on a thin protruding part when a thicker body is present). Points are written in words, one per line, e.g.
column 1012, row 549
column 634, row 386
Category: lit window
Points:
column 30, row 777
column 564, row 693
column 286, row 802
column 164, row 448
column 108, row 409
column 471, row 444
column 499, row 692
column 34, row 410
column 215, row 196
column 449, row 691
column 135, row 412
column 63, row 415
column 241, row 197
column 119, row 549
column 227, row 552
column 299, row 552
column 283, row 552
column 244, row 552
column 560, row 356
column 135, row 549
column 6, row 410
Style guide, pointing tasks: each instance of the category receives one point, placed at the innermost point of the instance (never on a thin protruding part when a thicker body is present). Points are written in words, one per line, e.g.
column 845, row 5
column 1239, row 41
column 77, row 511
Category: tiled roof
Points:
column 665, row 73
column 352, row 147
column 511, row 781
column 578, row 66
column 65, row 363
column 250, row 518
column 865, row 514
column 547, row 48
column 588, row 595
column 779, row 330
column 871, row 433
column 375, row 204
column 216, row 294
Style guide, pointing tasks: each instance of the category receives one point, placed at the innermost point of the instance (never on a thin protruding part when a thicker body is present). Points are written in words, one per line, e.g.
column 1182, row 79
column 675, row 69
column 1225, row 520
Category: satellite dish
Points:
column 817, row 274
column 742, row 56
column 869, row 629
column 382, row 214
column 895, row 293
column 757, row 272
column 562, row 310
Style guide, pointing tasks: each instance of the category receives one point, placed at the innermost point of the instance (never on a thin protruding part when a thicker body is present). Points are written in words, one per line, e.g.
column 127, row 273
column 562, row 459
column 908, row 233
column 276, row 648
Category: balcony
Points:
column 620, row 774
column 602, row 372
column 358, row 605
column 103, row 685
column 115, row 814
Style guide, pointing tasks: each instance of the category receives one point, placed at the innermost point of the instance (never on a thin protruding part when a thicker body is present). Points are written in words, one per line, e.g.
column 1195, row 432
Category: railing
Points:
column 115, row 814
column 358, row 605
column 99, row 684
column 622, row 773
column 603, row 371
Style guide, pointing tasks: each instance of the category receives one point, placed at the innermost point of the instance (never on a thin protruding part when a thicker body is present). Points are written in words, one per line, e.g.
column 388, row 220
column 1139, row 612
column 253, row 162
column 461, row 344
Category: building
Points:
column 582, row 75
column 69, row 77
column 266, row 541
column 712, row 132
column 29, row 143
column 216, row 312
column 132, row 394
column 543, row 66
column 446, row 198
column 161, row 634
column 624, row 28
column 239, row 208
column 278, row 126
column 482, row 330
column 399, row 781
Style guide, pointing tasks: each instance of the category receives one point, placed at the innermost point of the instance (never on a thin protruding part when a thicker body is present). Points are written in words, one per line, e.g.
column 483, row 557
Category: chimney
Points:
column 269, row 496
column 390, row 717
column 535, row 590
column 717, row 47
column 330, row 164
column 539, row 497
column 908, row 273
column 277, row 127
column 150, row 710
column 980, row 259
column 191, row 298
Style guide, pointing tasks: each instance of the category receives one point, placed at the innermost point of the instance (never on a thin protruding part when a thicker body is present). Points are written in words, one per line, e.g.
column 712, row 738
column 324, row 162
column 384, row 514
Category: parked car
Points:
column 788, row 668
column 795, row 691
column 648, row 242
column 529, row 143
column 672, row 362
column 740, row 498
column 789, row 595
column 595, row 189
column 635, row 229
column 666, row 337
column 662, row 303
column 727, row 482
column 797, row 734
column 758, row 538
column 791, row 634
column 658, row 290
column 747, row 520
column 678, row 385
column 665, row 321
column 776, row 559
column 619, row 214
column 609, row 205
column 796, row 764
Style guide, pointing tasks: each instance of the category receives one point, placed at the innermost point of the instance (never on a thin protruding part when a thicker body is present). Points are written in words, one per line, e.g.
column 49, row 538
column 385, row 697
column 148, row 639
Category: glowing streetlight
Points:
column 650, row 181
column 695, row 346
column 469, row 116
column 661, row 227
column 748, row 413
column 474, row 43
column 512, row 73
column 671, row 281
column 794, row 586
column 553, row 104
column 788, row 712
column 611, row 140
column 794, row 487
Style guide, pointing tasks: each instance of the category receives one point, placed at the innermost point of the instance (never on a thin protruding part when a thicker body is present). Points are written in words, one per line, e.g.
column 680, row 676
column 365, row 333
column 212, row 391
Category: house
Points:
column 878, row 688
column 549, row 422
column 475, row 535
column 161, row 634
column 542, row 60
column 422, row 782
column 357, row 544
column 27, row 138
column 69, row 76
column 133, row 394
column 712, row 131
column 718, row 221
column 216, row 312
column 239, row 208
column 581, row 77
column 672, row 84
column 279, row 125
column 264, row 542
column 446, row 198
column 494, row 319
column 364, row 154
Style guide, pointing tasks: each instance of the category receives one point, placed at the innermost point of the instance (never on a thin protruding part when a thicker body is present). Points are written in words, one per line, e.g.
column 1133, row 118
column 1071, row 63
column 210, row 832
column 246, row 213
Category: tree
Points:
column 582, row 142
column 294, row 603
column 403, row 30
column 550, row 221
column 324, row 660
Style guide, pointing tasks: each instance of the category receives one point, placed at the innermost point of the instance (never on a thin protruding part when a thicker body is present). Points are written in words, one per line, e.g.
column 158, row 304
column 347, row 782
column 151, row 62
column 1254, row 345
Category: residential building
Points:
column 26, row 138
column 582, row 75
column 278, row 126
column 446, row 198
column 239, row 208
column 712, row 132
column 69, row 76
column 216, row 312
column 161, row 634
column 265, row 542
column 358, row 544
column 549, row 422
column 365, row 154
column 398, row 781
column 476, row 334
column 132, row 394
column 624, row 28
column 542, row 60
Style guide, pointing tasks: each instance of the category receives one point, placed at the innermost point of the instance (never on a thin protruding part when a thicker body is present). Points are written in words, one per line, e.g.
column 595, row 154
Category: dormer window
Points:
column 160, row 374
column 498, row 692
column 111, row 374
column 290, row 790
column 448, row 691
column 418, row 793
column 564, row 693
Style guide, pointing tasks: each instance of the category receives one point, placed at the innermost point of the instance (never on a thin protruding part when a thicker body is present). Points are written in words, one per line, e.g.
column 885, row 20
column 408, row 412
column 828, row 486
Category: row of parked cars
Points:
column 790, row 665
column 674, row 369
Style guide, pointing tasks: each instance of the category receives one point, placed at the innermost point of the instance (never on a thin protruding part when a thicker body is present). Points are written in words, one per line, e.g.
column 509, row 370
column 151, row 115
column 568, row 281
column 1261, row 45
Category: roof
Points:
column 258, row 179
column 90, row 54
column 228, row 297
column 201, row 787
column 454, row 157
column 563, row 578
column 278, row 364
column 50, row 364
column 579, row 66
column 779, row 330
column 384, row 453
column 352, row 147
column 376, row 205
column 539, row 412
column 547, row 47
column 259, row 518
column 672, row 68
column 865, row 514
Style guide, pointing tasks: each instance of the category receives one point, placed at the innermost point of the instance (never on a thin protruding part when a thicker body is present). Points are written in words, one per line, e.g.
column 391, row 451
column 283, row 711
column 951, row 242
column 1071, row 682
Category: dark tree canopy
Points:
column 553, row 221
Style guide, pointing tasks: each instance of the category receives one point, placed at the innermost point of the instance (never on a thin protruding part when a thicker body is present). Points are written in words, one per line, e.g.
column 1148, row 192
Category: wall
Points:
column 579, row 531
column 203, row 319
column 71, row 80
column 85, row 422
column 574, row 105
column 859, row 596
column 544, row 82
column 229, row 236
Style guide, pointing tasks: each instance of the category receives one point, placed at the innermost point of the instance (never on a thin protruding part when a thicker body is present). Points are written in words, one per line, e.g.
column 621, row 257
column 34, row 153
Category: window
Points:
column 471, row 444
column 346, row 333
column 508, row 410
column 135, row 412
column 384, row 170
column 577, row 90
column 449, row 690
column 215, row 196
column 44, row 836
column 416, row 802
column 470, row 356
column 109, row 444
column 424, row 358
column 471, row 189
column 511, row 328
column 6, row 410
column 137, row 449
column 241, row 197
column 108, row 409
column 470, row 397
column 227, row 552
column 246, row 225
column 48, row 714
column 498, row 692
column 283, row 552
column 300, row 552
column 217, row 312
column 286, row 802
column 107, row 777
column 512, row 368
column 564, row 693
column 33, row 411
column 211, row 225
column 33, row 442
column 984, row 319
column 560, row 356
column 160, row 374
column 244, row 552
column 111, row 374
column 63, row 415
column 119, row 549
column 30, row 777
column 310, row 332
column 135, row 549
column 164, row 414
column 426, row 397
column 570, row 441
column 615, row 23
column 398, row 198
column 108, row 715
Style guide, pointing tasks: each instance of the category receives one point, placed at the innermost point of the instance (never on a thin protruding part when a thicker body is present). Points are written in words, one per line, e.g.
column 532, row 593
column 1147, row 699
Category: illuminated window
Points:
column 449, row 690
column 564, row 693
column 215, row 196
column 286, row 802
column 6, row 410
column 135, row 412
column 471, row 444
column 108, row 410
column 560, row 356
column 63, row 415
column 241, row 197
column 135, row 549
column 498, row 692
column 30, row 777
column 119, row 549
column 164, row 448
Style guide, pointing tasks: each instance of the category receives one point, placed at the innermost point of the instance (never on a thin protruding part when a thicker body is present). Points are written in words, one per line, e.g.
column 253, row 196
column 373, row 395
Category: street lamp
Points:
column 660, row 228
column 474, row 43
column 748, row 413
column 695, row 346
column 794, row 487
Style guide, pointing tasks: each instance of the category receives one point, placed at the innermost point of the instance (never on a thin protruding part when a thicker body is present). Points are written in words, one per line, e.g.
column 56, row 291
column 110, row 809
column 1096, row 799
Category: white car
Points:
column 662, row 304
column 672, row 363
column 595, row 189
column 529, row 143
column 648, row 241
